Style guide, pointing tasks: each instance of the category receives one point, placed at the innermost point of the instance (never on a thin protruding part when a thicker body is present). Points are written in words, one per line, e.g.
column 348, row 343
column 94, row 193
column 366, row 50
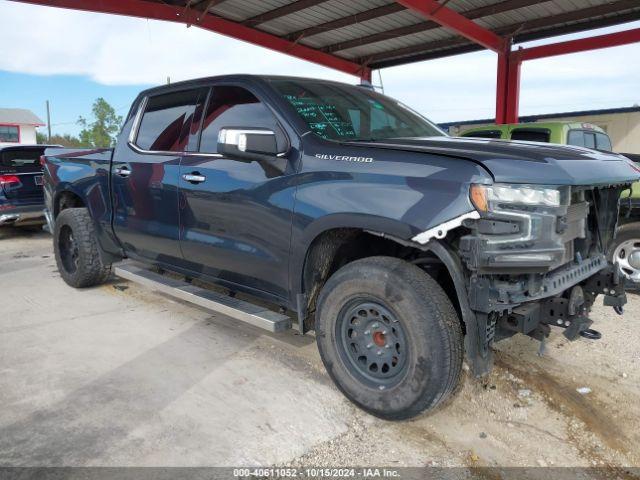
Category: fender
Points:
column 108, row 248
column 359, row 221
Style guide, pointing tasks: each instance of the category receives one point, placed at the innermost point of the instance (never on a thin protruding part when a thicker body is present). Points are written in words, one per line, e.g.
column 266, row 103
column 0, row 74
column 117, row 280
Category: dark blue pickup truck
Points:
column 405, row 250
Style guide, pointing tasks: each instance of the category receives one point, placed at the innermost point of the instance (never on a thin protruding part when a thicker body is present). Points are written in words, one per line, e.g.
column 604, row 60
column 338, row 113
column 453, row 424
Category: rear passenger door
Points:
column 235, row 217
column 145, row 174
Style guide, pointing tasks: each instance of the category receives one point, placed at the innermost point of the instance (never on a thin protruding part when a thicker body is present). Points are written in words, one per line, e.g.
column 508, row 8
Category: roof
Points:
column 383, row 33
column 19, row 116
column 535, row 118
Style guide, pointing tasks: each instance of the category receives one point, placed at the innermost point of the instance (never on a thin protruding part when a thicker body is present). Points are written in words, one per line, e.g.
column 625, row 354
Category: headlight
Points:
column 488, row 198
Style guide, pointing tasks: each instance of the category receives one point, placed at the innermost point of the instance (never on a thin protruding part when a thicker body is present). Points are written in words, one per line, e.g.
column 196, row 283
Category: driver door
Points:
column 235, row 215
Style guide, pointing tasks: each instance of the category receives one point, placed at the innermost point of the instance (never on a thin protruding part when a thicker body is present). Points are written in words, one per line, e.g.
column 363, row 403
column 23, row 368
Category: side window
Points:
column 589, row 140
column 231, row 106
column 576, row 137
column 603, row 142
column 484, row 134
column 167, row 119
column 530, row 135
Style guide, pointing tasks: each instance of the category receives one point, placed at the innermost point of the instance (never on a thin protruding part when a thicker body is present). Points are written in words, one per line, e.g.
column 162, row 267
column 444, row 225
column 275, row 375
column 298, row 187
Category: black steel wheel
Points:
column 389, row 337
column 374, row 341
column 68, row 247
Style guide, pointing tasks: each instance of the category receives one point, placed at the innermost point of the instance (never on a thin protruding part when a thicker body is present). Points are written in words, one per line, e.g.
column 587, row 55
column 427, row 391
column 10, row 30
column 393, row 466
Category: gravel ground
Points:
column 528, row 412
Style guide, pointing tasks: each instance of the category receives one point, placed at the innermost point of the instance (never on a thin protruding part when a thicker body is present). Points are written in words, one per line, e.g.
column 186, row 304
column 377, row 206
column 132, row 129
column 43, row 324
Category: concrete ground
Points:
column 120, row 376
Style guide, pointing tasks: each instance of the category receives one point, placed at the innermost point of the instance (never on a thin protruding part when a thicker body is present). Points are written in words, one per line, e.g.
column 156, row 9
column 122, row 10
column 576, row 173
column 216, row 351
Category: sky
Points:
column 71, row 58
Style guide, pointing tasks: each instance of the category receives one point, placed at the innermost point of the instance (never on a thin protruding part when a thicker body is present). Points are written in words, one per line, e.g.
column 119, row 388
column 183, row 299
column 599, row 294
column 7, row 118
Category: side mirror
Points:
column 249, row 143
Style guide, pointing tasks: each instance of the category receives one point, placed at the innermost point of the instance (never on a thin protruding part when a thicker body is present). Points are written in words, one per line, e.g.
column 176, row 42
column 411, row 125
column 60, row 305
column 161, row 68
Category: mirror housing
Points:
column 248, row 143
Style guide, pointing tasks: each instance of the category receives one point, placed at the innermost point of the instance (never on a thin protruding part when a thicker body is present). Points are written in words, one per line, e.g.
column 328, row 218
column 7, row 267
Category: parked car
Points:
column 579, row 134
column 21, row 194
column 625, row 249
column 403, row 248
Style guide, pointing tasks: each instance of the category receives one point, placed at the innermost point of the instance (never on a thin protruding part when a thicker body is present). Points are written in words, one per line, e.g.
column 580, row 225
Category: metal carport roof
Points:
column 358, row 36
column 382, row 33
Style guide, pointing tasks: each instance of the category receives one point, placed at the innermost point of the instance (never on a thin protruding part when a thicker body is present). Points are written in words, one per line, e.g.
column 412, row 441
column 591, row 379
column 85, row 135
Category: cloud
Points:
column 116, row 50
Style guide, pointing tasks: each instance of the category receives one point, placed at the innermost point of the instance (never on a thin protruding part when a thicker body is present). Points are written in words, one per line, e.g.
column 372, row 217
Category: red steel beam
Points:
column 501, row 88
column 171, row 13
column 448, row 18
column 509, row 66
column 512, row 100
column 616, row 39
column 508, row 88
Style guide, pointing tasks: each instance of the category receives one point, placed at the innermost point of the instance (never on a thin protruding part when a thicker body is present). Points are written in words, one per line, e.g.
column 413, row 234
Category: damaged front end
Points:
column 536, row 258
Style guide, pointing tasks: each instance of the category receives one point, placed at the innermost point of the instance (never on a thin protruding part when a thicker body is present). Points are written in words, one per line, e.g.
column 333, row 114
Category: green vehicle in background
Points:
column 626, row 249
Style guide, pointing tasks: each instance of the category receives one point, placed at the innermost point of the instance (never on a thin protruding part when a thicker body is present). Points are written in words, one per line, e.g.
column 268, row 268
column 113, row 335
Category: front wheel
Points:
column 389, row 337
column 76, row 249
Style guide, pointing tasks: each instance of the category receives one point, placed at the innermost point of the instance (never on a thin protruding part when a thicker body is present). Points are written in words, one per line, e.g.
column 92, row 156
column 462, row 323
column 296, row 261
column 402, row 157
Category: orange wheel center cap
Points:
column 379, row 339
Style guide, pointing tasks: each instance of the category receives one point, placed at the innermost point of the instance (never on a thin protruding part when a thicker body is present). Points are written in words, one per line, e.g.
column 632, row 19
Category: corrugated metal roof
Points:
column 381, row 33
column 19, row 116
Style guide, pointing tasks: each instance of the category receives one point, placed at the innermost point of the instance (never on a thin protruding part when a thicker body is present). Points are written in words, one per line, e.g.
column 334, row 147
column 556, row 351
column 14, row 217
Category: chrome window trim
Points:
column 133, row 136
column 141, row 151
column 137, row 121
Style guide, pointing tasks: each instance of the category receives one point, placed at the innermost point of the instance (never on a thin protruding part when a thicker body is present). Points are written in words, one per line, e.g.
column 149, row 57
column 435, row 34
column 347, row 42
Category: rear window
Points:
column 484, row 134
column 576, row 137
column 166, row 121
column 18, row 160
column 530, row 135
column 590, row 139
column 603, row 142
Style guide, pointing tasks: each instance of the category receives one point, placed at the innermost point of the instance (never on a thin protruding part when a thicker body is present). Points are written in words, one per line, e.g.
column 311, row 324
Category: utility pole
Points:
column 168, row 80
column 48, row 122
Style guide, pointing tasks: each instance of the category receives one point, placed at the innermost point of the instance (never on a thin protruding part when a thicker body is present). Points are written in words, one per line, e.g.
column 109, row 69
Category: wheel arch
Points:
column 65, row 198
column 326, row 228
column 340, row 243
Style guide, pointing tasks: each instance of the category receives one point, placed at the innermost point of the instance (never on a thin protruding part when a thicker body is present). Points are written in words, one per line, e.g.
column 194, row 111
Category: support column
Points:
column 513, row 88
column 365, row 75
column 508, row 87
column 501, row 87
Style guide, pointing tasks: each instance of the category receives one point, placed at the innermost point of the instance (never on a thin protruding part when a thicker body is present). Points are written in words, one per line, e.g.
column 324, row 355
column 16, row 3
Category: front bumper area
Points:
column 21, row 216
column 494, row 293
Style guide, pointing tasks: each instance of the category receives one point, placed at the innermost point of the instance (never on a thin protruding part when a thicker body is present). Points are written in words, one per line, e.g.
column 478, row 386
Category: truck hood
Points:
column 525, row 162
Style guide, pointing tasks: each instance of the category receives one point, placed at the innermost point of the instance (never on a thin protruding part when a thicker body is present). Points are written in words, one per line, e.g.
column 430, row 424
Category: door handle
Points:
column 122, row 171
column 194, row 177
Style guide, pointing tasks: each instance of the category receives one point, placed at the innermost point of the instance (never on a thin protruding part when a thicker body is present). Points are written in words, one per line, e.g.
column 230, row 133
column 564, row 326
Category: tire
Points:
column 76, row 249
column 626, row 243
column 387, row 301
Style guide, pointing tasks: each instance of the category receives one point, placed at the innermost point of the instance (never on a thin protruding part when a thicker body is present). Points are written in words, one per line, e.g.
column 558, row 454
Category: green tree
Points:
column 65, row 140
column 102, row 131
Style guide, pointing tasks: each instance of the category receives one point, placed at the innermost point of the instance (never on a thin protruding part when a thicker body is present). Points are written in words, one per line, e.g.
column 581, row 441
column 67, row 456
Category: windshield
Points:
column 343, row 112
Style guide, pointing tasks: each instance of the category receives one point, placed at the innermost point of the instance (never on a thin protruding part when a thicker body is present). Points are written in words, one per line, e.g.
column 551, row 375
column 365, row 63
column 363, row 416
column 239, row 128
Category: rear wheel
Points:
column 76, row 249
column 389, row 337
